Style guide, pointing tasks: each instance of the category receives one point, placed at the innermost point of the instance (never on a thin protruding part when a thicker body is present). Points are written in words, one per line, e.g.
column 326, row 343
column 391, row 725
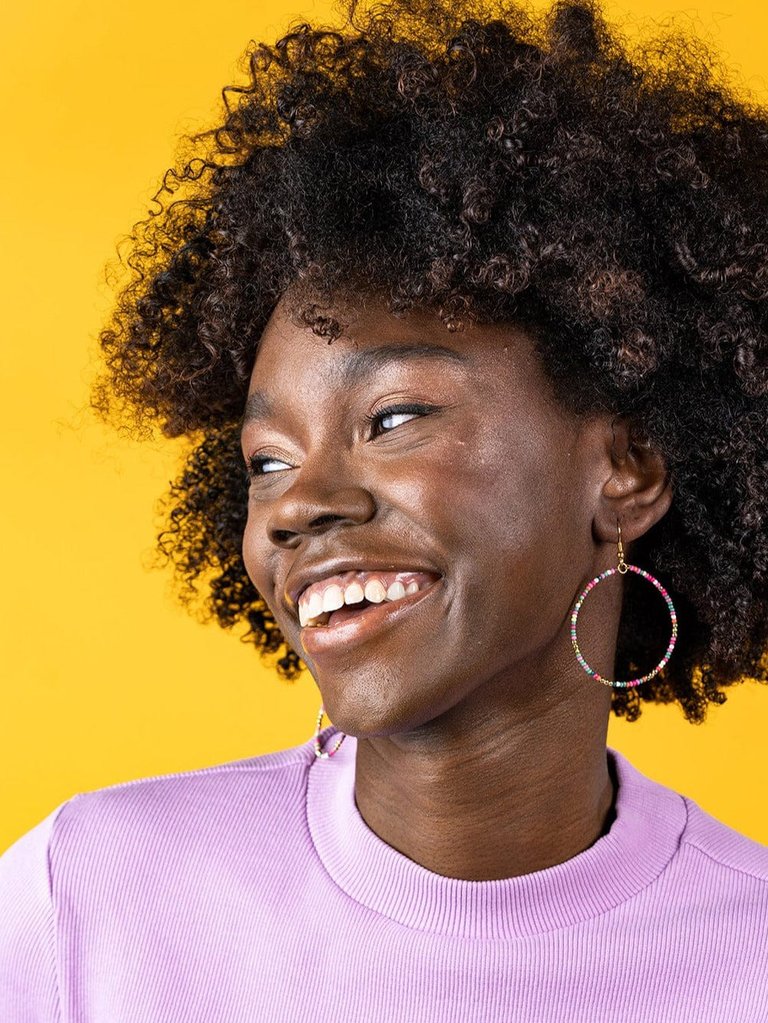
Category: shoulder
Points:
column 185, row 809
column 135, row 824
column 134, row 840
column 259, row 771
column 727, row 850
column 28, row 979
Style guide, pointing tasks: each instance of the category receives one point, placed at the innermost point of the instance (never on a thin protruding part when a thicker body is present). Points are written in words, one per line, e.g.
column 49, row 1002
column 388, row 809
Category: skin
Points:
column 481, row 741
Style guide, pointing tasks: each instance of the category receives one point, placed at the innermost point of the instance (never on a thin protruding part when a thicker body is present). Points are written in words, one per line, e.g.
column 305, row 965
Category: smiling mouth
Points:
column 351, row 625
column 341, row 614
column 346, row 594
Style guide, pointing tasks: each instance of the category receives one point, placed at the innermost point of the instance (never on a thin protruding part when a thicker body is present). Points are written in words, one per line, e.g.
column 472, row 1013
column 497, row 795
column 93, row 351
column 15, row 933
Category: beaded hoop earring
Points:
column 623, row 568
column 318, row 751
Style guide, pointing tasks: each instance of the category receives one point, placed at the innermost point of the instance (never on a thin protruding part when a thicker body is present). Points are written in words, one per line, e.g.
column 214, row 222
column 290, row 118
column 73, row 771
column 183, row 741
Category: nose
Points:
column 319, row 499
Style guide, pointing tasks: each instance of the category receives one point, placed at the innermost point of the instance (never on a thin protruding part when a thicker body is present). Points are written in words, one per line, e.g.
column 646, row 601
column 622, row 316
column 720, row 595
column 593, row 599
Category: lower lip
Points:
column 329, row 639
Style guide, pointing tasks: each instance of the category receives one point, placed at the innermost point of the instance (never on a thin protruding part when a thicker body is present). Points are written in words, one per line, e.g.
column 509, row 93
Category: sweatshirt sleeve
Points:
column 28, row 967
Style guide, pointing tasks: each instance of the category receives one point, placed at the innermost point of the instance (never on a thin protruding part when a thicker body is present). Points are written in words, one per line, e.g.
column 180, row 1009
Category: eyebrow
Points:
column 355, row 366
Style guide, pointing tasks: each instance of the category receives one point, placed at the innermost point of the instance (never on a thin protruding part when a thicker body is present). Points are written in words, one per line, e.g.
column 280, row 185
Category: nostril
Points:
column 323, row 520
column 282, row 535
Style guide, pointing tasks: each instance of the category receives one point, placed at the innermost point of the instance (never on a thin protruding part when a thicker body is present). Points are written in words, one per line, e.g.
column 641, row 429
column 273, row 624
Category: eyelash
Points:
column 409, row 408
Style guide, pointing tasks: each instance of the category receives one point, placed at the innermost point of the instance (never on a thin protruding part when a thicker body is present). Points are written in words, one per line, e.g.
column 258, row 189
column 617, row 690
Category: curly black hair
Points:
column 493, row 165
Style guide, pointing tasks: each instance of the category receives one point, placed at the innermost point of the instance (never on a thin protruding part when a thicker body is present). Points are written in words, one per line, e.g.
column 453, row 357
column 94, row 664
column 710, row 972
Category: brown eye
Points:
column 256, row 463
column 397, row 410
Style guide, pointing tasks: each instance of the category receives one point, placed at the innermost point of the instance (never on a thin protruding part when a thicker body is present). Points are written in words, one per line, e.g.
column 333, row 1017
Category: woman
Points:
column 466, row 314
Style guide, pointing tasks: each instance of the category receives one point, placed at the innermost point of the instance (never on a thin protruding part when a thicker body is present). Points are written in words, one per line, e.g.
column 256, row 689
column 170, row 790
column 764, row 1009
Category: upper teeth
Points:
column 352, row 587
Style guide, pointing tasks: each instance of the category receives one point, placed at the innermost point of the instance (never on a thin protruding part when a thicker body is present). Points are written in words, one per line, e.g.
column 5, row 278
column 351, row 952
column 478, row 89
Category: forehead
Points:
column 372, row 340
column 495, row 365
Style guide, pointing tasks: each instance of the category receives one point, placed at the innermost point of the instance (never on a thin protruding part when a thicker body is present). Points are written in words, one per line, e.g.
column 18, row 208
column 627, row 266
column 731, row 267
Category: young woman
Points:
column 466, row 314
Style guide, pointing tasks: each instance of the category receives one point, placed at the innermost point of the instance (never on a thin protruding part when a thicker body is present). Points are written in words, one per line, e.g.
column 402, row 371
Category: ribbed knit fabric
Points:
column 254, row 891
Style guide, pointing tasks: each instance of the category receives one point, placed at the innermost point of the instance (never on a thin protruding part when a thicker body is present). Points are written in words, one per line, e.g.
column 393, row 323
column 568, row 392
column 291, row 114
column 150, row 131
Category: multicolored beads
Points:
column 318, row 751
column 616, row 683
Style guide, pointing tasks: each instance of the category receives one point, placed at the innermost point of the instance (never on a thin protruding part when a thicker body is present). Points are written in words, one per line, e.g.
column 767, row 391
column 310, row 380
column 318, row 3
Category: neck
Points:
column 496, row 787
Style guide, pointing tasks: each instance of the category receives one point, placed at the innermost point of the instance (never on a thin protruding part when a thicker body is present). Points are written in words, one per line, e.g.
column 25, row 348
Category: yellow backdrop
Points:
column 104, row 677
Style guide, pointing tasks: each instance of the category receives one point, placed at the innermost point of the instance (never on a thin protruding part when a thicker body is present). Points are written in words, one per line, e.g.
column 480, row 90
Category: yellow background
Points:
column 104, row 677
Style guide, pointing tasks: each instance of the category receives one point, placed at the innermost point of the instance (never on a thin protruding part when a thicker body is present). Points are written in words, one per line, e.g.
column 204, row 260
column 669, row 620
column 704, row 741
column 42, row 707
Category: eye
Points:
column 395, row 412
column 256, row 463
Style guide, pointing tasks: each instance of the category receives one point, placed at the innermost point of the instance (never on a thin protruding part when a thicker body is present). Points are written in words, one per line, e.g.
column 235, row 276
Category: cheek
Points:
column 443, row 488
column 505, row 513
column 255, row 549
column 484, row 497
column 259, row 558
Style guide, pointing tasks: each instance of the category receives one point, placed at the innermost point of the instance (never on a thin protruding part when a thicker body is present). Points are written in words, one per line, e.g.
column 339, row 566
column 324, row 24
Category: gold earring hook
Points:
column 622, row 563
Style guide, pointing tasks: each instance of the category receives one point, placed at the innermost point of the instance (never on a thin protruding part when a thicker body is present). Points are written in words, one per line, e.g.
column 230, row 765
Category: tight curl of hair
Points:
column 494, row 165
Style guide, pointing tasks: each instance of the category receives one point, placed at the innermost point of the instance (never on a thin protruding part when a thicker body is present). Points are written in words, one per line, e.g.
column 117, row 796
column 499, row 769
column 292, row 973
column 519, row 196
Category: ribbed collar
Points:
column 642, row 839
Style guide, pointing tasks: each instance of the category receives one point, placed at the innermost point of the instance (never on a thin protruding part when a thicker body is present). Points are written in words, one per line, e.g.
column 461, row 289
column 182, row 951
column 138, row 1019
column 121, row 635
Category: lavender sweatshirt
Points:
column 255, row 891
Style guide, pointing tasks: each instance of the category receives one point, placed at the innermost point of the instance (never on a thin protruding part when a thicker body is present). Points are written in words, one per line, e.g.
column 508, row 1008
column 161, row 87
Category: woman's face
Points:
column 487, row 488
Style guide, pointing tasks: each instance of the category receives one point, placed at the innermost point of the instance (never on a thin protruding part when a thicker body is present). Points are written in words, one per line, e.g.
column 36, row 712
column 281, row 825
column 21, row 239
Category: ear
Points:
column 638, row 492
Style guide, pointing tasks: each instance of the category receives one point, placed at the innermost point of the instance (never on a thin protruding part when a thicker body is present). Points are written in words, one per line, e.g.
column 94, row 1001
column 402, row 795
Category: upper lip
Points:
column 299, row 580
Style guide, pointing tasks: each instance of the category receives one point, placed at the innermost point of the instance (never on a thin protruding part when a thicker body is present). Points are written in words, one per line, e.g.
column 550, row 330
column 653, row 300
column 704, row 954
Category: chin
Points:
column 370, row 703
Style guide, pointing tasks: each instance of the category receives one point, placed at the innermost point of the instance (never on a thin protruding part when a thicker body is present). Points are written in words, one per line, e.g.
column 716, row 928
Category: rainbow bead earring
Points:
column 622, row 568
column 318, row 751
